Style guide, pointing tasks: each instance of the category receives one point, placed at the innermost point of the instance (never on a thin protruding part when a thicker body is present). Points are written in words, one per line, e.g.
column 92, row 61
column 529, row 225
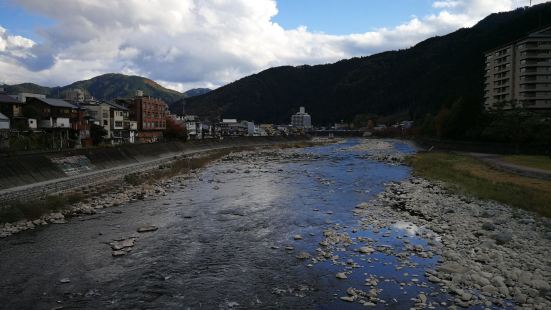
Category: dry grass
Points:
column 467, row 175
column 32, row 210
column 540, row 162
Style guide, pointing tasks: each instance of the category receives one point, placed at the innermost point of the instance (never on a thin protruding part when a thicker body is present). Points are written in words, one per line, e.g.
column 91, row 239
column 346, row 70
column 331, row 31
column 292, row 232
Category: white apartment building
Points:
column 301, row 119
column 518, row 74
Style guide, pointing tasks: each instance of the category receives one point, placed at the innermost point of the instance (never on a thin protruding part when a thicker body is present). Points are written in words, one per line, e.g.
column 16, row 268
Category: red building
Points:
column 150, row 114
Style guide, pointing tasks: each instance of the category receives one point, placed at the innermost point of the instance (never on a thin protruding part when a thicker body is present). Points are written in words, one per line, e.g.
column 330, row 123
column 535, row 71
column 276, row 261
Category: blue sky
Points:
column 21, row 22
column 348, row 16
column 329, row 16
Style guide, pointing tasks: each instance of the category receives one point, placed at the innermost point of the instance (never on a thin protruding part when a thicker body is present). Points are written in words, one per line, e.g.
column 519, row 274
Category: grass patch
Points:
column 175, row 168
column 540, row 162
column 32, row 210
column 467, row 175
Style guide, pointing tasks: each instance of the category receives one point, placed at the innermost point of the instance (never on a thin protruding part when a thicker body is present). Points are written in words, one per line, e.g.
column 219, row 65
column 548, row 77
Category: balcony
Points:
column 59, row 122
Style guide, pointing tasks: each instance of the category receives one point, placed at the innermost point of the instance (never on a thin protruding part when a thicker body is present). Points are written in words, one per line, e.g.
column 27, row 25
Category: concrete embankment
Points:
column 30, row 176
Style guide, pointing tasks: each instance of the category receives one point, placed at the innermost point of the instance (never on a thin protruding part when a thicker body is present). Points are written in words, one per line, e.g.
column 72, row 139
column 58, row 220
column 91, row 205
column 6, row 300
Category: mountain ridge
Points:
column 110, row 86
column 415, row 81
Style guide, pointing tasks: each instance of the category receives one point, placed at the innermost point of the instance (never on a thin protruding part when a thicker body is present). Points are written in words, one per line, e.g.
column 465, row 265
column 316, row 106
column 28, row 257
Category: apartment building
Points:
column 301, row 120
column 518, row 74
column 150, row 114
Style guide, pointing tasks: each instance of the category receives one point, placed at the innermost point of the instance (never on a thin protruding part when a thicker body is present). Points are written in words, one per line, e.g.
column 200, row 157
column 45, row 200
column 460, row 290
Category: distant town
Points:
column 34, row 121
column 31, row 121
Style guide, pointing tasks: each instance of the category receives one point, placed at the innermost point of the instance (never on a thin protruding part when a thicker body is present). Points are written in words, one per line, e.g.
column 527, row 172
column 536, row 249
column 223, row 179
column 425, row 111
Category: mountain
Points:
column 415, row 81
column 178, row 107
column 197, row 92
column 106, row 87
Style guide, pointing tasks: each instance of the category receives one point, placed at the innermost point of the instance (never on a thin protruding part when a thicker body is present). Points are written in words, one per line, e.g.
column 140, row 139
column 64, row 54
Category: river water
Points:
column 225, row 240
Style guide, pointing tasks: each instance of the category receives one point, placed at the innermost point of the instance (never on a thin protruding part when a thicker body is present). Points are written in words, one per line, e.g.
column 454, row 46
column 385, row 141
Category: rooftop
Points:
column 7, row 99
column 57, row 103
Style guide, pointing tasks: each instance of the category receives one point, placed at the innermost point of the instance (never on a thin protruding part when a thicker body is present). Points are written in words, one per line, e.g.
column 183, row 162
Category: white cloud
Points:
column 191, row 43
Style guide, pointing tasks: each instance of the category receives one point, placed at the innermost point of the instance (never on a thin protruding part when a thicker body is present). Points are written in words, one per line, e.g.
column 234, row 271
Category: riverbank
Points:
column 136, row 184
column 465, row 174
column 490, row 254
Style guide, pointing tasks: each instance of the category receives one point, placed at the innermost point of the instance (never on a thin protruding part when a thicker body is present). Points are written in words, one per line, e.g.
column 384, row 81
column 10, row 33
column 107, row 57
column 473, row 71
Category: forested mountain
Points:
column 419, row 80
column 106, row 87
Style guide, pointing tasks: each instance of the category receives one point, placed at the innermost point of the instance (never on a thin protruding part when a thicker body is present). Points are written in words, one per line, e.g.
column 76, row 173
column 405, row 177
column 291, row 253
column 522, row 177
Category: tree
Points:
column 97, row 133
column 175, row 129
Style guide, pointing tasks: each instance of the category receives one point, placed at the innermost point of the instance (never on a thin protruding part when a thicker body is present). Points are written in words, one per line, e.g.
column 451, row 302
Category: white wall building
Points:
column 301, row 119
column 22, row 97
column 4, row 122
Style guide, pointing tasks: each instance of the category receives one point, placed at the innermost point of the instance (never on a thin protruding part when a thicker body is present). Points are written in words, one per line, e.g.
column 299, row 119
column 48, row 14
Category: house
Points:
column 53, row 113
column 13, row 109
column 59, row 118
column 4, row 122
column 123, row 130
column 22, row 97
column 99, row 113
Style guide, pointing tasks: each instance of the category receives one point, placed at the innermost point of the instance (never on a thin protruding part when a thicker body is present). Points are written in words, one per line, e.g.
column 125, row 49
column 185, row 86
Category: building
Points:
column 59, row 118
column 518, row 74
column 13, row 109
column 4, row 122
column 150, row 115
column 75, row 95
column 301, row 120
column 22, row 97
column 230, row 127
column 122, row 130
column 249, row 128
column 100, row 114
column 53, row 113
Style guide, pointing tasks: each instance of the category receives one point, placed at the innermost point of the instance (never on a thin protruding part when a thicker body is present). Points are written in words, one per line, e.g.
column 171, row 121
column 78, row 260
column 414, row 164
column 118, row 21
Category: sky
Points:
column 183, row 44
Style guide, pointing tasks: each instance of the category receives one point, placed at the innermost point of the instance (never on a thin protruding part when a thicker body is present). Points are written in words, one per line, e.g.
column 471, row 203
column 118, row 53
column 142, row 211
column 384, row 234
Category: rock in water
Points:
column 118, row 253
column 341, row 275
column 303, row 255
column 366, row 250
column 348, row 298
column 147, row 229
column 297, row 237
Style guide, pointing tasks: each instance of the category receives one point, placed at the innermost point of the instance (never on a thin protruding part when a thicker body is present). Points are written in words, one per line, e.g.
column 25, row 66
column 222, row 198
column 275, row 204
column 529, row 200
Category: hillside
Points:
column 415, row 81
column 106, row 87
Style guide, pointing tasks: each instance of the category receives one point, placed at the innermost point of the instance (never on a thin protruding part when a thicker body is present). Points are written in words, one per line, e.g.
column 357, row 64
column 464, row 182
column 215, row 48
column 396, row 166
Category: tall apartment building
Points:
column 301, row 119
column 519, row 74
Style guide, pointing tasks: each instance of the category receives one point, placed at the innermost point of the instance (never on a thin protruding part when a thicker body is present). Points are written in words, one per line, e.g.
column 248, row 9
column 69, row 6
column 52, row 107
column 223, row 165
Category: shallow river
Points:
column 224, row 241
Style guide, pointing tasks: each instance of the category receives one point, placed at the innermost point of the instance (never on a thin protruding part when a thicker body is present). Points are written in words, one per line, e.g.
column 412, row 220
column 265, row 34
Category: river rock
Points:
column 297, row 237
column 503, row 238
column 366, row 250
column 348, row 298
column 303, row 255
column 118, row 253
column 145, row 229
column 341, row 276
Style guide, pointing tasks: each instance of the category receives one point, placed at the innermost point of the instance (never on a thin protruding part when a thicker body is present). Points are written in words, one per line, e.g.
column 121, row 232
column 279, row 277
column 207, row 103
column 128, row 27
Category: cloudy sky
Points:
column 207, row 43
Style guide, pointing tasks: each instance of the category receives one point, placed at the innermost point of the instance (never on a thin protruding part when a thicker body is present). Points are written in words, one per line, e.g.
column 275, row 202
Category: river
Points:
column 228, row 237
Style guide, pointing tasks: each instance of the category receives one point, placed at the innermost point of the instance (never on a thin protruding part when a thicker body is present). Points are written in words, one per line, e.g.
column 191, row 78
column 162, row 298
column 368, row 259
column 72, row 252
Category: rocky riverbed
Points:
column 490, row 254
column 343, row 226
